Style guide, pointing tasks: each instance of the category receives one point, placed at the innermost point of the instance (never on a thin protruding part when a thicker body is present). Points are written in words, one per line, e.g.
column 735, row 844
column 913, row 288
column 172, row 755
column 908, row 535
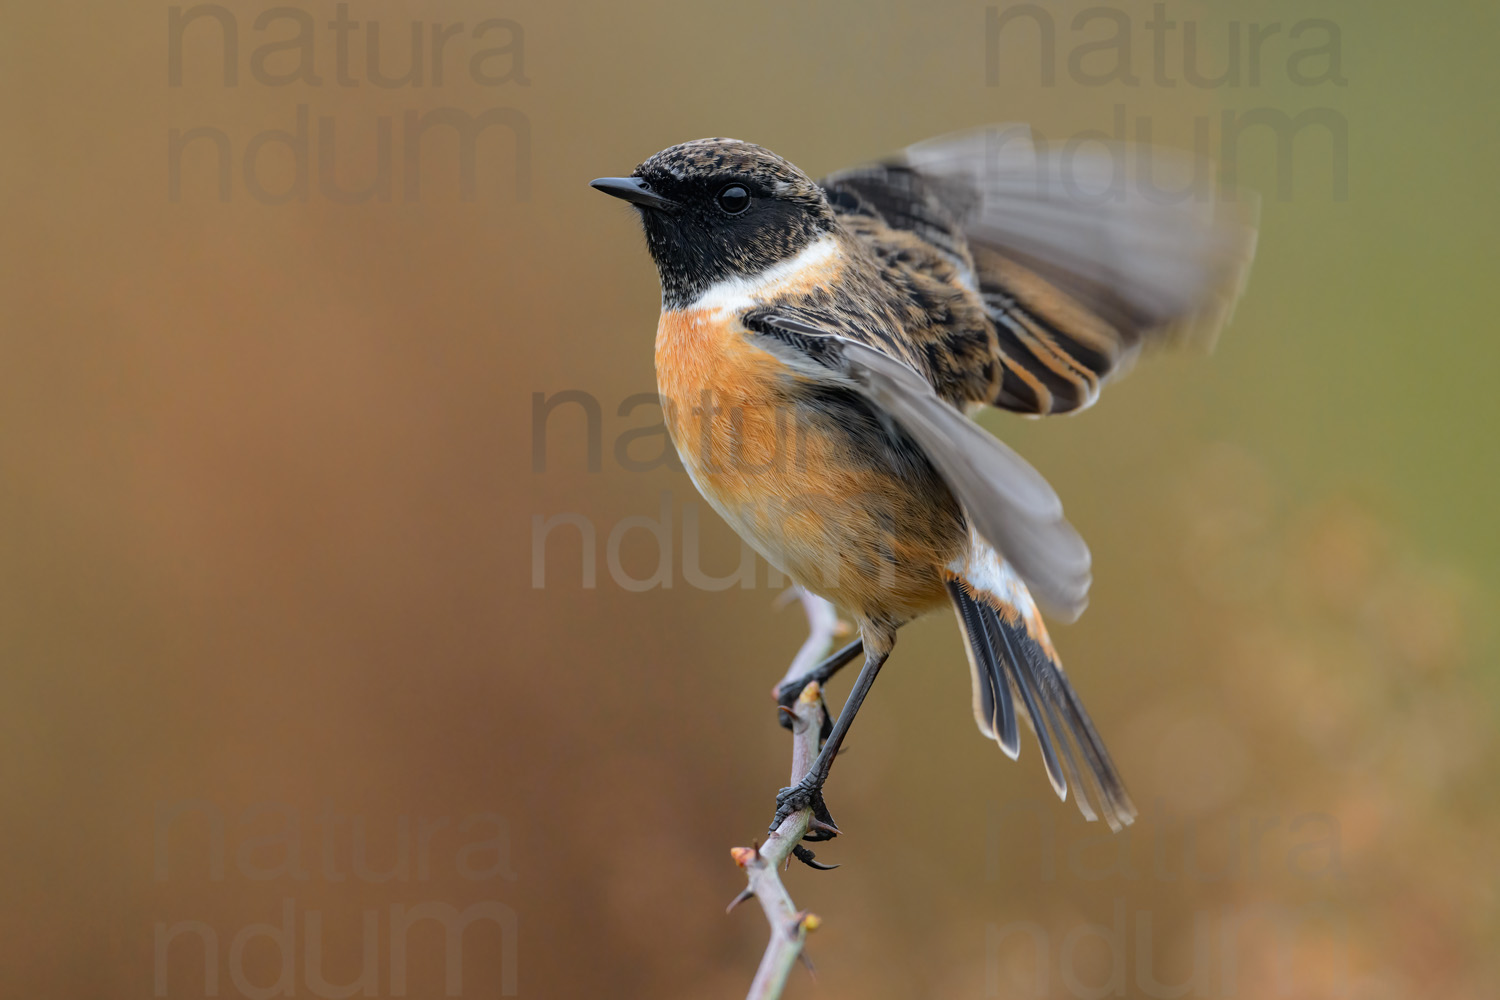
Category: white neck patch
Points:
column 743, row 291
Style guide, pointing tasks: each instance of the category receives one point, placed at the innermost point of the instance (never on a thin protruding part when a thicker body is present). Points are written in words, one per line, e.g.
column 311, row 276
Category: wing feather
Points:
column 1008, row 502
column 1082, row 252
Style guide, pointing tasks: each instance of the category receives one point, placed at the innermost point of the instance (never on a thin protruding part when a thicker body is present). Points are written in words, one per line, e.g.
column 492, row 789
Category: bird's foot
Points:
column 808, row 858
column 804, row 794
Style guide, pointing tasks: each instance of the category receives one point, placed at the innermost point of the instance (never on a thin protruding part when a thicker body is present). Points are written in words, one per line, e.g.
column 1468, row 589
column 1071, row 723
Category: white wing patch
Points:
column 991, row 576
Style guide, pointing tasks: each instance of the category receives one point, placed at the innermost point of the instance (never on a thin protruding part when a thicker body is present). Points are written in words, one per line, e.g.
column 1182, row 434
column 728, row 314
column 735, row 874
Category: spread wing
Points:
column 1008, row 502
column 1081, row 252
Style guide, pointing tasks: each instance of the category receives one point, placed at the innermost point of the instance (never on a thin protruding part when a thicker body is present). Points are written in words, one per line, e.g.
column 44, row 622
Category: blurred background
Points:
column 291, row 658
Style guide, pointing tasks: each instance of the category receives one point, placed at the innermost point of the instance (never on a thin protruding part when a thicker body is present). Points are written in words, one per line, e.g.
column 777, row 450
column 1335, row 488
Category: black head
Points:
column 720, row 208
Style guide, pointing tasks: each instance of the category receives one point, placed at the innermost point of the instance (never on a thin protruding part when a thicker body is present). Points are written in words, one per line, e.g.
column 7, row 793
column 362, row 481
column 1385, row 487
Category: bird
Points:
column 824, row 346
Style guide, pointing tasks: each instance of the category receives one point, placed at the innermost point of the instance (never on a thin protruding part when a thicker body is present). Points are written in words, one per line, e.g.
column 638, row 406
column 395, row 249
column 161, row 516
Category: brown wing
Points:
column 1078, row 254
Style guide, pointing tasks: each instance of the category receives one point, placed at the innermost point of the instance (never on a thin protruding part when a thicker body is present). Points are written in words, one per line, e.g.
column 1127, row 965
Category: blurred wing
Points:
column 1008, row 502
column 1082, row 251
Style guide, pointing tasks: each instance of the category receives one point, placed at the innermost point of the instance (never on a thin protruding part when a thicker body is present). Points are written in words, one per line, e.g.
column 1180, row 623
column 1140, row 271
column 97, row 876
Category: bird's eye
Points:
column 733, row 198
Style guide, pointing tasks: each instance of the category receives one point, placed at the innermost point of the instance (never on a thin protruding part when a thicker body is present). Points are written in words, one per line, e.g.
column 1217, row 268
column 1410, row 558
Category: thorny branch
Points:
column 762, row 864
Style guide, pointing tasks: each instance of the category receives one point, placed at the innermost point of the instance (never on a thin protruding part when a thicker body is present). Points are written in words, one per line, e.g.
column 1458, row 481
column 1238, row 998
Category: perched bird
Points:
column 822, row 345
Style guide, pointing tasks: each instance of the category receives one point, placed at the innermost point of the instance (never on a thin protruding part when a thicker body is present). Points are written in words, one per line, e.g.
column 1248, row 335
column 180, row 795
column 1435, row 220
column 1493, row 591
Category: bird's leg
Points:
column 809, row 791
column 789, row 690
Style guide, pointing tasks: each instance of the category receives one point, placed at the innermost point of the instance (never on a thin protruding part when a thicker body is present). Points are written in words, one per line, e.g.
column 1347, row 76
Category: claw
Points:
column 806, row 856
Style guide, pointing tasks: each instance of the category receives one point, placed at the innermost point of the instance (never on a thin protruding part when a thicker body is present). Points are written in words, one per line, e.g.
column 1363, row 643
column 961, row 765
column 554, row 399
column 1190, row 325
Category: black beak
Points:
column 633, row 190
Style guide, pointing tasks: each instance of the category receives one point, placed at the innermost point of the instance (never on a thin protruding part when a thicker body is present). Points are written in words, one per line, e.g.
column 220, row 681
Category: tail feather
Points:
column 1054, row 701
column 1017, row 670
column 1010, row 664
column 994, row 710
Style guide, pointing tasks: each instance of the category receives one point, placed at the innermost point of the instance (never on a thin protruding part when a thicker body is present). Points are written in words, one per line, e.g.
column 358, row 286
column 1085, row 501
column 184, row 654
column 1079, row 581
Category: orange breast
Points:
column 788, row 487
column 723, row 408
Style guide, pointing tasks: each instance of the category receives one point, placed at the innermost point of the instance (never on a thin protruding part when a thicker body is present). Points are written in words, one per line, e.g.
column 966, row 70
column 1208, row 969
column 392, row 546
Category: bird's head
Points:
column 717, row 209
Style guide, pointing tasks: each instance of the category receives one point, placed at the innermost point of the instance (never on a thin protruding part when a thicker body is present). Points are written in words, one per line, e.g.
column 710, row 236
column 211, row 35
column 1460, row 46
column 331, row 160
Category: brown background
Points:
column 267, row 490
